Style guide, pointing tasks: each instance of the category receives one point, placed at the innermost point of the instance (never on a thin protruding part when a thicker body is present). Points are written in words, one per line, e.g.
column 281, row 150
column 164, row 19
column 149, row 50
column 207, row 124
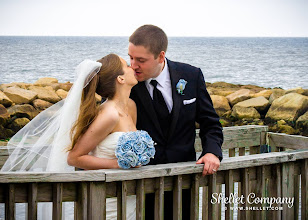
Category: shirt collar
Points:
column 162, row 77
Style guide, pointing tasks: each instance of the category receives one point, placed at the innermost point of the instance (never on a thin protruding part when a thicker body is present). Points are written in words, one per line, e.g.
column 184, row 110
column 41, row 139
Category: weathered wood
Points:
column 40, row 177
column 288, row 141
column 32, row 201
column 97, row 201
column 159, row 199
column 257, row 171
column 3, row 155
column 254, row 150
column 81, row 204
column 57, row 201
column 232, row 152
column 173, row 169
column 10, row 202
column 212, row 191
column 279, row 188
column 287, row 189
column 229, row 189
column 264, row 189
column 242, row 151
column 242, row 136
column 304, row 188
column 245, row 191
column 205, row 203
column 140, row 200
column 153, row 171
column 296, row 195
column 177, row 198
column 237, row 136
column 218, row 208
column 121, row 200
column 194, row 200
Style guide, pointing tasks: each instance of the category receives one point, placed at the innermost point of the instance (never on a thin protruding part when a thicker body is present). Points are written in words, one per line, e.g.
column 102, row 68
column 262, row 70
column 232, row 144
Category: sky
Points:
column 206, row 18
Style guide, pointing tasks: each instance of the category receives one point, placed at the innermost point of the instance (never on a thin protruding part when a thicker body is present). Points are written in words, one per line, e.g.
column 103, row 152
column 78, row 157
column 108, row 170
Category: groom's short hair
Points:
column 151, row 37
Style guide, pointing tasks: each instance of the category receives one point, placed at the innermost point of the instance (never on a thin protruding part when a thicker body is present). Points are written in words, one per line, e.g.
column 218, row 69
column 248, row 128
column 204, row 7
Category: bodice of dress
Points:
column 106, row 149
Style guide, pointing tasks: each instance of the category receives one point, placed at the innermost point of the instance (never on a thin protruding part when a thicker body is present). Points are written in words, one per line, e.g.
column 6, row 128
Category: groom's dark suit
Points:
column 194, row 105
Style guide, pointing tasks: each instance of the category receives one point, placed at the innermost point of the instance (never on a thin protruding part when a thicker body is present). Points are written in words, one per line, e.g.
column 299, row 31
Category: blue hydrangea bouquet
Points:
column 134, row 149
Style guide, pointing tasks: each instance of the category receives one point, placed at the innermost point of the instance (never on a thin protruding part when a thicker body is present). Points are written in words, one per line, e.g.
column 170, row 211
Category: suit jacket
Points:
column 195, row 105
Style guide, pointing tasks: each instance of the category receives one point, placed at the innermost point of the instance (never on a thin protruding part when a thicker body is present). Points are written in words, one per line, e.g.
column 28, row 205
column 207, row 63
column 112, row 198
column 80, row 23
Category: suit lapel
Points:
column 146, row 100
column 177, row 100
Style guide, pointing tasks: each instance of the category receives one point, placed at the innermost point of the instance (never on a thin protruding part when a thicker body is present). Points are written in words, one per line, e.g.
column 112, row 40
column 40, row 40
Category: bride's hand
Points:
column 137, row 166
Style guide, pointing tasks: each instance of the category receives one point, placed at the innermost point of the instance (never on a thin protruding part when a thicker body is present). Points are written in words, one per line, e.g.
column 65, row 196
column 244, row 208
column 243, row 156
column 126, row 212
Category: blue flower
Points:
column 144, row 159
column 123, row 163
column 180, row 86
column 134, row 149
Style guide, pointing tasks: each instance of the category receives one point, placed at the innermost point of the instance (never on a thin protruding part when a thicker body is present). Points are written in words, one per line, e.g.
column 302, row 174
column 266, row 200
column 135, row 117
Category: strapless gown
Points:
column 106, row 149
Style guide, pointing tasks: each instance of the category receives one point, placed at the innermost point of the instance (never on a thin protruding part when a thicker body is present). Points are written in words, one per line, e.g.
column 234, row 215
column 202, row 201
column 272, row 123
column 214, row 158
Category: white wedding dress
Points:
column 106, row 149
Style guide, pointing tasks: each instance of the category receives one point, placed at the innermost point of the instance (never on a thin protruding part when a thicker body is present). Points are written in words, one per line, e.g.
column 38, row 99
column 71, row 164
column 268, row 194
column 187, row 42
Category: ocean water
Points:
column 267, row 62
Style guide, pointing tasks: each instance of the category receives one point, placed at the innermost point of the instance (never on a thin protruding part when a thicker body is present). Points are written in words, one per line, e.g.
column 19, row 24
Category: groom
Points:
column 170, row 98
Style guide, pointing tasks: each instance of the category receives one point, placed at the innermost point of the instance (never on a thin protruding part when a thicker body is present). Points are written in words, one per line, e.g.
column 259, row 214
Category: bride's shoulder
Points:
column 107, row 110
column 131, row 103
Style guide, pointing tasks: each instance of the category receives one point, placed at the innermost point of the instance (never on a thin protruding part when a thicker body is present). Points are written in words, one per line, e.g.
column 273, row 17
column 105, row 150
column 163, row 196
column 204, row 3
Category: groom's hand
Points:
column 211, row 163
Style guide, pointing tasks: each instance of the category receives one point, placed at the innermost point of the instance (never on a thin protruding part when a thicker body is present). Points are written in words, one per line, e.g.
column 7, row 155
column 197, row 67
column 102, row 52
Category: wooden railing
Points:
column 278, row 175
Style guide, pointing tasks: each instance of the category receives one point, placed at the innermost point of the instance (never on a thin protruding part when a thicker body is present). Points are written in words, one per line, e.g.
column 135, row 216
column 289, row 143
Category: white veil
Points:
column 42, row 144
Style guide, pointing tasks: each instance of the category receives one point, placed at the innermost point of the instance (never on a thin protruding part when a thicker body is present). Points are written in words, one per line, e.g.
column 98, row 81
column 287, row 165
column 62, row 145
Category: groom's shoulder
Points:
column 182, row 66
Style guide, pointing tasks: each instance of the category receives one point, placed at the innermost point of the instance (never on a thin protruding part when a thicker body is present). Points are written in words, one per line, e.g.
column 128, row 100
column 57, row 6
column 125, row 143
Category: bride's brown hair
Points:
column 104, row 84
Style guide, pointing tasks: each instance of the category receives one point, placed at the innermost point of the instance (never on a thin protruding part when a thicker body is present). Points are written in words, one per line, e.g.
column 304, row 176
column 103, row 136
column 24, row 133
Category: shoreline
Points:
column 284, row 111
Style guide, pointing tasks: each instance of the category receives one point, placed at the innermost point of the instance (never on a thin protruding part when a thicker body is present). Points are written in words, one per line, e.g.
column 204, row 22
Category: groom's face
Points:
column 144, row 62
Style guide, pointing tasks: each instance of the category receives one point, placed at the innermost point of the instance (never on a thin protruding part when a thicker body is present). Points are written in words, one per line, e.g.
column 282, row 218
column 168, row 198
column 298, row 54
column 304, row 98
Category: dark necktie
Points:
column 161, row 109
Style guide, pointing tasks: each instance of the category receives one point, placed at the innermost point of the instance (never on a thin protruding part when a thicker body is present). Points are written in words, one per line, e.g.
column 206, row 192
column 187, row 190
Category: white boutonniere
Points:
column 180, row 86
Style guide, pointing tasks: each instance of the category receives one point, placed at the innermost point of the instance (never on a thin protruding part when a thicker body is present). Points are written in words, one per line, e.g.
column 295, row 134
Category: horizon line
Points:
column 168, row 36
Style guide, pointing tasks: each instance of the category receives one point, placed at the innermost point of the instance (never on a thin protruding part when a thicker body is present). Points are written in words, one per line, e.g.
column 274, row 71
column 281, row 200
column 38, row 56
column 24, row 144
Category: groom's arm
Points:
column 210, row 128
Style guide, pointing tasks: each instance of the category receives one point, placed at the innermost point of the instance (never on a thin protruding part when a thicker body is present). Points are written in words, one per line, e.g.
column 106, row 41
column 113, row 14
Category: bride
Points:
column 77, row 133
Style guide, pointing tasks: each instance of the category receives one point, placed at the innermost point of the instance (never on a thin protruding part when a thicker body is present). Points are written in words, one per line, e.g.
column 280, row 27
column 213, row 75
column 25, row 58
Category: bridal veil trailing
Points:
column 42, row 144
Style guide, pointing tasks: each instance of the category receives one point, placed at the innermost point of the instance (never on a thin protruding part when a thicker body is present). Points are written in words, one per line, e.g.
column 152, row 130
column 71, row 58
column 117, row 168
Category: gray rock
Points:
column 259, row 103
column 241, row 112
column 288, row 107
column 19, row 95
column 221, row 104
column 23, row 111
column 239, row 96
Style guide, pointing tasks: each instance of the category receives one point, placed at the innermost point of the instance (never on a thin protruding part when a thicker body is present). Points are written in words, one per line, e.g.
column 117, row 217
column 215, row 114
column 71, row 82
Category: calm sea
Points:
column 268, row 62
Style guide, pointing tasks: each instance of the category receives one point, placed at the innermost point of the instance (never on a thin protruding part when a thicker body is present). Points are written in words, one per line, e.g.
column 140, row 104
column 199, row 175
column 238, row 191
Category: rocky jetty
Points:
column 21, row 102
column 282, row 110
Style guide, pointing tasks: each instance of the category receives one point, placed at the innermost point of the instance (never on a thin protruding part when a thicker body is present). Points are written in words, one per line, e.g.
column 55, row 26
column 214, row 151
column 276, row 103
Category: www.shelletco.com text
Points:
column 241, row 208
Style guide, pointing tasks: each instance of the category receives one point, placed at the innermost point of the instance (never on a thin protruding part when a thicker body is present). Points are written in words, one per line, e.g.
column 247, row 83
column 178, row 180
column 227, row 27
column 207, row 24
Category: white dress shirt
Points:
column 163, row 85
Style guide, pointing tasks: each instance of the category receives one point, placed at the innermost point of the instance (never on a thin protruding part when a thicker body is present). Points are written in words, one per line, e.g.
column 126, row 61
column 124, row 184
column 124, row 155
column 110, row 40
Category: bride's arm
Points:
column 103, row 125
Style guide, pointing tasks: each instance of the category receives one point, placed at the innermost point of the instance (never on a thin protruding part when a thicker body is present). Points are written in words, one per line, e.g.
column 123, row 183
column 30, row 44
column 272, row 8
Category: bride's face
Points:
column 129, row 73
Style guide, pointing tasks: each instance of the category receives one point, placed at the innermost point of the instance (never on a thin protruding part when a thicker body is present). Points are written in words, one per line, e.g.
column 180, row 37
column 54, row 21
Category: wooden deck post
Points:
column 177, row 198
column 140, row 200
column 159, row 199
column 32, row 201
column 57, row 201
column 194, row 200
column 287, row 189
column 304, row 189
column 212, row 189
column 10, row 202
column 97, row 201
column 121, row 200
column 229, row 189
column 81, row 204
column 245, row 214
